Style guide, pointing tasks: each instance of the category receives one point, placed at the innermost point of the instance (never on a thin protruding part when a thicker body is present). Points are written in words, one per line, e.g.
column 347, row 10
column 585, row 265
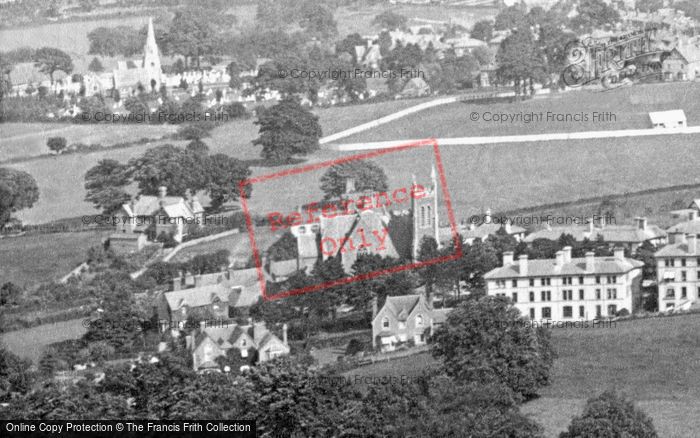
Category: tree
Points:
column 171, row 167
column 192, row 35
column 287, row 129
column 225, row 174
column 348, row 44
column 482, row 30
column 49, row 60
column 478, row 259
column 610, row 415
column 10, row 294
column 106, row 184
column 366, row 176
column 519, row 60
column 18, row 190
column 317, row 19
column 486, row 340
column 390, row 21
column 15, row 374
column 95, row 65
column 512, row 17
column 593, row 14
column 56, row 144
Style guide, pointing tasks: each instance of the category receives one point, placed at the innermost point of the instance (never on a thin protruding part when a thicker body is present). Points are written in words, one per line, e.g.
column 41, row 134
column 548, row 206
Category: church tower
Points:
column 425, row 214
column 151, row 59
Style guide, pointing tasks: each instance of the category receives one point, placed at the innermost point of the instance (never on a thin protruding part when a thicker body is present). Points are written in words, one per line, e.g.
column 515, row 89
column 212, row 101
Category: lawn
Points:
column 653, row 361
column 29, row 260
column 20, row 140
column 631, row 107
column 30, row 343
column 237, row 244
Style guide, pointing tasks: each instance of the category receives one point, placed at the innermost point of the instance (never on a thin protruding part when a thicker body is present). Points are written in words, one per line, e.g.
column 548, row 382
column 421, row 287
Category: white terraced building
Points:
column 678, row 273
column 568, row 289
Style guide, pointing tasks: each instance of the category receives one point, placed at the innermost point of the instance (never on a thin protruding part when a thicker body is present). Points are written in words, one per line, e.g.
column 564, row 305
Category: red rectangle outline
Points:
column 369, row 275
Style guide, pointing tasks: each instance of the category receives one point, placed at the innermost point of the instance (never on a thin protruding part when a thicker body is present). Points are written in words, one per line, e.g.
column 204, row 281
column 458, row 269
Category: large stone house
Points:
column 208, row 296
column 152, row 216
column 566, row 288
column 405, row 319
column 208, row 343
column 678, row 272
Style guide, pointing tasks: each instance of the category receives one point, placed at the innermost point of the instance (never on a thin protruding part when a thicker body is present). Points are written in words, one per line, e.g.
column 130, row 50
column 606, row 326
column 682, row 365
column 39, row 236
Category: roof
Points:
column 676, row 249
column 577, row 266
column 465, row 41
column 198, row 296
column 666, row 116
column 248, row 281
column 610, row 233
column 687, row 227
column 221, row 286
column 402, row 305
column 227, row 335
column 174, row 206
column 485, row 230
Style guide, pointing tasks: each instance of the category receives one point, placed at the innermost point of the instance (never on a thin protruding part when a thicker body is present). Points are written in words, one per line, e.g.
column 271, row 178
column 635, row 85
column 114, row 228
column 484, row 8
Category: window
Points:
column 683, row 262
column 597, row 279
column 567, row 295
column 546, row 295
column 597, row 294
column 612, row 294
column 670, row 293
column 580, row 294
column 514, row 283
column 243, row 343
column 568, row 280
column 668, row 262
column 542, row 282
column 515, row 297
column 428, row 222
column 684, row 276
column 612, row 310
column 598, row 311
column 549, row 281
column 385, row 322
column 532, row 296
column 684, row 292
column 419, row 320
column 546, row 312
column 532, row 313
column 532, row 282
column 581, row 311
column 580, row 280
column 422, row 216
column 568, row 311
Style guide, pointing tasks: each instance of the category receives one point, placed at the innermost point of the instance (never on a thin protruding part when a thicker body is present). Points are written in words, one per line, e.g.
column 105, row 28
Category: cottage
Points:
column 207, row 344
column 668, row 119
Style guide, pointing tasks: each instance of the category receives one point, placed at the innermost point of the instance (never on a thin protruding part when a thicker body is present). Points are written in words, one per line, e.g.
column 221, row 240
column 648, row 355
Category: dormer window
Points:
column 419, row 320
column 385, row 322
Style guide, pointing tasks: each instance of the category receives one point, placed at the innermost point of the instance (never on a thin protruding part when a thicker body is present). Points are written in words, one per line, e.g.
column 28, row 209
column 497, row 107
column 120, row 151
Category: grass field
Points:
column 29, row 260
column 31, row 342
column 653, row 361
column 20, row 140
column 237, row 244
column 631, row 107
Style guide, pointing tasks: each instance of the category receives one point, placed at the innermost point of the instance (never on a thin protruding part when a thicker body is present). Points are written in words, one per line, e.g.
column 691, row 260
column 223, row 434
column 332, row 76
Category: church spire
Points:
column 151, row 46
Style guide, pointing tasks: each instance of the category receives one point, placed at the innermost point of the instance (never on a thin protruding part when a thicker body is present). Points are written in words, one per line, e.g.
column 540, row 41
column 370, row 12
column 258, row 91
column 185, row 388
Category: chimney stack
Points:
column 590, row 261
column 559, row 259
column 507, row 258
column 567, row 254
column 202, row 325
column 619, row 253
column 522, row 262
column 284, row 333
column 162, row 192
column 692, row 244
column 641, row 223
column 349, row 185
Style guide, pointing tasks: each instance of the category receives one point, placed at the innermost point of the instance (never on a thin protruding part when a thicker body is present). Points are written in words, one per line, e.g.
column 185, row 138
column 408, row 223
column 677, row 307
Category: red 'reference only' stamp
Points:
column 388, row 223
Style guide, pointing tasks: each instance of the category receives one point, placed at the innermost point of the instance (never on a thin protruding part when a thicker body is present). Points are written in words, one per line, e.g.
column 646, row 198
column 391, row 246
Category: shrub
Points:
column 56, row 144
column 610, row 415
column 193, row 132
column 167, row 240
column 354, row 347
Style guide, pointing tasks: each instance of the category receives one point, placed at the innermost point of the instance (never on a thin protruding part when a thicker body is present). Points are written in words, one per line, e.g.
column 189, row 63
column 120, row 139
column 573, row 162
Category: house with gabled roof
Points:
column 405, row 319
column 208, row 343
column 155, row 215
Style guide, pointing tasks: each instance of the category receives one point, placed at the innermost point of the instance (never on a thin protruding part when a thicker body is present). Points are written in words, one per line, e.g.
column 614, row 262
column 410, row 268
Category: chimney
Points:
column 619, row 253
column 162, row 192
column 349, row 185
column 641, row 223
column 567, row 254
column 692, row 244
column 522, row 261
column 188, row 342
column 590, row 261
column 177, row 282
column 375, row 309
column 559, row 259
column 284, row 333
column 507, row 258
column 202, row 325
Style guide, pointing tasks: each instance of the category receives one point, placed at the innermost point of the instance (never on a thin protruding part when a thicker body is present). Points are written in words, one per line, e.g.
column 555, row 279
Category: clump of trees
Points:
column 57, row 144
column 18, row 190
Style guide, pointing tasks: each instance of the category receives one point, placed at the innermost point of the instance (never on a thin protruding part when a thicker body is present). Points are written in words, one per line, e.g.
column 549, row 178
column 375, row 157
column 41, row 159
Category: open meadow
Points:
column 630, row 105
column 30, row 343
column 653, row 361
column 29, row 260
